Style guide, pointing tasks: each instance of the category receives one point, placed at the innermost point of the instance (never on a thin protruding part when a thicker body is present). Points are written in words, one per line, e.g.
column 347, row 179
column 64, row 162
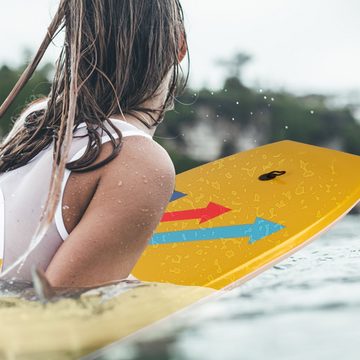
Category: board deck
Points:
column 222, row 226
column 258, row 221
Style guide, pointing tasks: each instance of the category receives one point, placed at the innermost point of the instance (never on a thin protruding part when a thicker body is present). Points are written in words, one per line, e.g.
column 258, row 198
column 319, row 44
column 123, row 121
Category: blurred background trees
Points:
column 38, row 85
column 207, row 125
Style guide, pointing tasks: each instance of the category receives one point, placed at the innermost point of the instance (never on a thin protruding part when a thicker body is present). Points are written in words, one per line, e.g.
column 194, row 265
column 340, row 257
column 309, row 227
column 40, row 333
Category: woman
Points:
column 115, row 79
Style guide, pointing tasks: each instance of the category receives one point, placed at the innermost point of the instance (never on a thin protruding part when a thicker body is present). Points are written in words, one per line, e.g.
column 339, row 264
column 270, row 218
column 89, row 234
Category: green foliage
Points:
column 38, row 86
column 275, row 116
column 272, row 115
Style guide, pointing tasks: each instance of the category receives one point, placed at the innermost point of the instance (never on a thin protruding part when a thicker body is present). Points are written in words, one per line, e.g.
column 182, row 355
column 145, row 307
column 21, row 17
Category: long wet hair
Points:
column 115, row 56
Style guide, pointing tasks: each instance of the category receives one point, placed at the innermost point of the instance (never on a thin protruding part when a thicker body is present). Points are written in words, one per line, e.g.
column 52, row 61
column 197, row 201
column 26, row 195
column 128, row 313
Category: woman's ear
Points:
column 183, row 48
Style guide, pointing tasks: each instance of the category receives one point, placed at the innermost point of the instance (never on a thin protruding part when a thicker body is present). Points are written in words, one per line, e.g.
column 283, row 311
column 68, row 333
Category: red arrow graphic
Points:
column 204, row 214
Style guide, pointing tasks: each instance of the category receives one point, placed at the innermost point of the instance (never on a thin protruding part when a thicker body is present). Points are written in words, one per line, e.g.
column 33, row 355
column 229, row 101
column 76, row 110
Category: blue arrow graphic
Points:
column 176, row 195
column 256, row 231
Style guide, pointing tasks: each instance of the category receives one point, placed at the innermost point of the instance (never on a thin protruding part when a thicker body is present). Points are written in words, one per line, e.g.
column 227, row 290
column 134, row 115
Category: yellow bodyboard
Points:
column 227, row 221
column 264, row 220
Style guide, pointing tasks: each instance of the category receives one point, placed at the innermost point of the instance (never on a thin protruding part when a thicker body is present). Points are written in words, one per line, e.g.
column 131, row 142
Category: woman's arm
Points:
column 132, row 194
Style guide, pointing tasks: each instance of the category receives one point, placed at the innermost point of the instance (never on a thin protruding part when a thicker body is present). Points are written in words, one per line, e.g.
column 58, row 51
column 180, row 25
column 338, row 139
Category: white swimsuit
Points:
column 23, row 193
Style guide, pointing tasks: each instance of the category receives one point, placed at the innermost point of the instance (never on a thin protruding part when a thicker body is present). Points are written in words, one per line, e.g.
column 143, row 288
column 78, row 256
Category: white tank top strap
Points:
column 126, row 130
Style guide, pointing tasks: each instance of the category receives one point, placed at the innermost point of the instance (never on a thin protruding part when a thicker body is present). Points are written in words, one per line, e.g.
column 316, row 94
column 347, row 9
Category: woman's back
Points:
column 119, row 59
column 23, row 193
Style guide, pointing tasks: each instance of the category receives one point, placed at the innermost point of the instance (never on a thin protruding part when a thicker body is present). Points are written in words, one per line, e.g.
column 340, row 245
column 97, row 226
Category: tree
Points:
column 234, row 65
column 37, row 86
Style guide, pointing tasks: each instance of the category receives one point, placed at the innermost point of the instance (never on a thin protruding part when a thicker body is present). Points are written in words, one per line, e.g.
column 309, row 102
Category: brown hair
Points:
column 115, row 55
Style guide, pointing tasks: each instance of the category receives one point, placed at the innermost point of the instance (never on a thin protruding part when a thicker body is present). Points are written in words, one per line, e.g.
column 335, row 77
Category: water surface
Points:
column 307, row 307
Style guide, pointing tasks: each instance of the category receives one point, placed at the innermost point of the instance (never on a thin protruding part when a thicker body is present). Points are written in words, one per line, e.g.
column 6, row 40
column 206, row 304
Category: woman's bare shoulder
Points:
column 130, row 199
column 141, row 156
column 142, row 173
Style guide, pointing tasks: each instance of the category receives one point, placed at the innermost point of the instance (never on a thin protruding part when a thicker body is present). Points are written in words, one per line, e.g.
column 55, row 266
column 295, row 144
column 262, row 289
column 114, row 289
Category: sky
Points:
column 307, row 46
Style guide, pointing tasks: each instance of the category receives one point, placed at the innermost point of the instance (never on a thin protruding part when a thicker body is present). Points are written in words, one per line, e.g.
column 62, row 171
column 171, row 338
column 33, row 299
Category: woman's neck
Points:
column 156, row 102
column 131, row 119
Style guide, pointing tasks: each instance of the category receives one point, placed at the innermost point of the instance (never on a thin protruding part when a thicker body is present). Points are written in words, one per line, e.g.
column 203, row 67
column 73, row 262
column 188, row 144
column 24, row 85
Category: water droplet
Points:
column 260, row 90
column 65, row 207
column 120, row 183
column 286, row 127
column 265, row 97
column 272, row 99
column 312, row 112
column 237, row 103
column 232, row 119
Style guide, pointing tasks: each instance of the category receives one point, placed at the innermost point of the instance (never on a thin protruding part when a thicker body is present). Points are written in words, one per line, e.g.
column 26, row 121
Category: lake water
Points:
column 307, row 307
